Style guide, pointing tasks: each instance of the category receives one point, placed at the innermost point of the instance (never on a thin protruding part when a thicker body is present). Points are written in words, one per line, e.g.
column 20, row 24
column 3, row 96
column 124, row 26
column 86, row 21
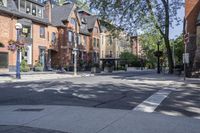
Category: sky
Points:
column 177, row 29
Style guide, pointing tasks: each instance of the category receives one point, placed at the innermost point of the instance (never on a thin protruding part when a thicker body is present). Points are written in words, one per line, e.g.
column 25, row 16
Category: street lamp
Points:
column 18, row 27
column 158, row 56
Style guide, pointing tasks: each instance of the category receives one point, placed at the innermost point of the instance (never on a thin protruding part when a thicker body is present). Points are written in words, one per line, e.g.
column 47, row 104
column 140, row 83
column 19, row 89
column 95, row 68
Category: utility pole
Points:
column 158, row 52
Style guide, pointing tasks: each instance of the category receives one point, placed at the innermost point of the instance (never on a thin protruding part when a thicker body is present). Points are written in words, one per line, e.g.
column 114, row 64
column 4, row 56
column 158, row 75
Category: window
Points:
column 73, row 22
column 70, row 36
column 39, row 11
column 110, row 53
column 26, row 31
column 3, row 3
column 3, row 60
column 79, row 39
column 22, row 5
column 96, row 30
column 34, row 9
column 111, row 41
column 98, row 43
column 85, row 40
column 28, row 7
column 53, row 38
column 94, row 42
column 42, row 32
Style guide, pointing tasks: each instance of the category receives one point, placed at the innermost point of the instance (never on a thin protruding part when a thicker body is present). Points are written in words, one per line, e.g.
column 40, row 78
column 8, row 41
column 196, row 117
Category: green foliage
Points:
column 142, row 14
column 149, row 42
column 130, row 59
column 178, row 45
column 38, row 67
column 80, row 3
column 24, row 66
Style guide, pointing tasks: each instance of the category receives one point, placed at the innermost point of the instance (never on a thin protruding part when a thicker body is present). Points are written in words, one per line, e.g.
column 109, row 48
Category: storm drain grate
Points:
column 29, row 110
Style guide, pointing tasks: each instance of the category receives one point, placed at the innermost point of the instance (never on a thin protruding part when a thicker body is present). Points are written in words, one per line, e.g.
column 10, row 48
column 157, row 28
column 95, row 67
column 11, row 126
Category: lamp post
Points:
column 158, row 56
column 18, row 27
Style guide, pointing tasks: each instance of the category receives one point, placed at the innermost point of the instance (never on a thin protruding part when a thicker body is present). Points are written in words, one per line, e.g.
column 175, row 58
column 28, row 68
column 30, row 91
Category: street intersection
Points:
column 140, row 91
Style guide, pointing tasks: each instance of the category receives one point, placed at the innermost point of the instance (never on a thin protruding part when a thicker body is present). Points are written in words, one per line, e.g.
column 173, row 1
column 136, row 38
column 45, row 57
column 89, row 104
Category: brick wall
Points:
column 38, row 41
column 8, row 32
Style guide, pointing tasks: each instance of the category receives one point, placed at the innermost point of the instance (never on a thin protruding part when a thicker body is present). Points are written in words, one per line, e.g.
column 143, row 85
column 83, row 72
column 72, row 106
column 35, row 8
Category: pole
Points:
column 158, row 71
column 174, row 56
column 185, row 61
column 75, row 56
column 18, row 76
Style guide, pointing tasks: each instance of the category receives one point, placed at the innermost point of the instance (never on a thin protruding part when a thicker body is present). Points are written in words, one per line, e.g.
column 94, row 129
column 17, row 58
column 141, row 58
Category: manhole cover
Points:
column 31, row 110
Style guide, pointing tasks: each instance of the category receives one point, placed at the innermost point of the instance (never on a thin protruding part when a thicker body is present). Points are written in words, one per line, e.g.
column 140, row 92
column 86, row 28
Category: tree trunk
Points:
column 169, row 55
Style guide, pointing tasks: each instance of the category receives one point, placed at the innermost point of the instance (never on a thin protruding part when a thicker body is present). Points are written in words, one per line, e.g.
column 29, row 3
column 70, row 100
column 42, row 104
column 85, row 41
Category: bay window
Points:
column 3, row 3
column 34, row 9
column 28, row 7
column 22, row 5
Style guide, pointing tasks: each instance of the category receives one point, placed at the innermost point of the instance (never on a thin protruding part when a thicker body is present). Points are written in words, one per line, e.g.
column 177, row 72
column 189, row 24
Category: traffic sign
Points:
column 186, row 58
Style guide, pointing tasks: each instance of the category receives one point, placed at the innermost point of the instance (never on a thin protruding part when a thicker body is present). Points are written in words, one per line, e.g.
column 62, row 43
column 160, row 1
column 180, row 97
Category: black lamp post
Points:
column 158, row 56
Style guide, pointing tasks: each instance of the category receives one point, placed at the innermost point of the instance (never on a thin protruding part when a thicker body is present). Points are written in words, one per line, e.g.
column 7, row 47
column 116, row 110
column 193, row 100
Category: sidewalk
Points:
column 36, row 76
column 94, row 120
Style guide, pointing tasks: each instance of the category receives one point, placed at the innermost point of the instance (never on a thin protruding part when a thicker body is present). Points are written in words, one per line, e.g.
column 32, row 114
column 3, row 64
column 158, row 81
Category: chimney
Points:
column 47, row 10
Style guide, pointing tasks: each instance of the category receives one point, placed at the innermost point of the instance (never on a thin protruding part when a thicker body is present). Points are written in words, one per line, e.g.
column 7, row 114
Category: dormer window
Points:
column 33, row 9
column 22, row 5
column 30, row 8
column 3, row 3
column 83, row 20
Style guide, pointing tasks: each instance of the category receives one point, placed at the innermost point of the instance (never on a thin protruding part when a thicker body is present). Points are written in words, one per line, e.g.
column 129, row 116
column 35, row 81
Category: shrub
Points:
column 24, row 66
column 38, row 67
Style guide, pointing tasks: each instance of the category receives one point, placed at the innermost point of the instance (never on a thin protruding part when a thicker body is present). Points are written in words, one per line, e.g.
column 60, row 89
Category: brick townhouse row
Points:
column 49, row 32
column 192, row 26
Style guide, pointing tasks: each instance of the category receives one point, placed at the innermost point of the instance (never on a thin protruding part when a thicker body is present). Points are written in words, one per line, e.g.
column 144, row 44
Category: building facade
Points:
column 192, row 26
column 50, row 32
column 112, row 46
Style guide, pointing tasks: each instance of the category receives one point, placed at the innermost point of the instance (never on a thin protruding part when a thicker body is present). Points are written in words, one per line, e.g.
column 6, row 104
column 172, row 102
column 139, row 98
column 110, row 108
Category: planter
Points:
column 95, row 70
column 108, row 69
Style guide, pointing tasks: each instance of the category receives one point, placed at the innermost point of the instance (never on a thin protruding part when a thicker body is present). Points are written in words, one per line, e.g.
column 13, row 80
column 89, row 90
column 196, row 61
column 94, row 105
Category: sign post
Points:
column 185, row 55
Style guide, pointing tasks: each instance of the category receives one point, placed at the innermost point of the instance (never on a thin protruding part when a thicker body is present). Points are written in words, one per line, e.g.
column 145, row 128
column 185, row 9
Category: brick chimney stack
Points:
column 47, row 11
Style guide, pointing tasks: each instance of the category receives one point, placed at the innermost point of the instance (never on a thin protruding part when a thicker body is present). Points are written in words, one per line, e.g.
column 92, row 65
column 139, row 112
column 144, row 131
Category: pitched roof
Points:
column 12, row 10
column 91, row 21
column 61, row 13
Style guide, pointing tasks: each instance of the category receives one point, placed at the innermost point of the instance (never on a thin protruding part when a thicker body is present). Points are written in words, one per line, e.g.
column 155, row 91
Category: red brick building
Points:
column 136, row 47
column 50, row 32
column 192, row 26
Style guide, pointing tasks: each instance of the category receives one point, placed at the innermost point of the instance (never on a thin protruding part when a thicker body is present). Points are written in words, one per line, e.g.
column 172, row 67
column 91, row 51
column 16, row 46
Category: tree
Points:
column 80, row 3
column 130, row 59
column 145, row 14
column 178, row 45
column 148, row 42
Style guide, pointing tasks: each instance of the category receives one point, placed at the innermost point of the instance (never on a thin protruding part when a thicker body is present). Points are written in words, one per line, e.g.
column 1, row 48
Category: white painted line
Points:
column 151, row 103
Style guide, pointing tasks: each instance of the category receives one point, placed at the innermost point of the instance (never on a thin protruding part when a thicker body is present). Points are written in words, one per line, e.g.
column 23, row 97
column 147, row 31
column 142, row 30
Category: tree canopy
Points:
column 142, row 14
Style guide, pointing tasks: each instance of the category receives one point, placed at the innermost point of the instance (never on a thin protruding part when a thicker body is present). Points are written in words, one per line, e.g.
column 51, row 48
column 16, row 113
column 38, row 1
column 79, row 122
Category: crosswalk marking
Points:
column 151, row 103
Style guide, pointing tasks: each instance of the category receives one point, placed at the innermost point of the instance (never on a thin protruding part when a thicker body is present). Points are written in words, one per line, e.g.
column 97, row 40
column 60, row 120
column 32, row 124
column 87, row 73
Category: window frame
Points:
column 42, row 35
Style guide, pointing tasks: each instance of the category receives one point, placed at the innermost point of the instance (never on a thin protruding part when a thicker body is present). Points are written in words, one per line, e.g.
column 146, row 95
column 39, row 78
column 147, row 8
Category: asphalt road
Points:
column 115, row 91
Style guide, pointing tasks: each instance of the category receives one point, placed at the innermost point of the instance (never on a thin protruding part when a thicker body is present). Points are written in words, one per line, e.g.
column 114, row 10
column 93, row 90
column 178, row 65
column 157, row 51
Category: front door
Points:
column 42, row 57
